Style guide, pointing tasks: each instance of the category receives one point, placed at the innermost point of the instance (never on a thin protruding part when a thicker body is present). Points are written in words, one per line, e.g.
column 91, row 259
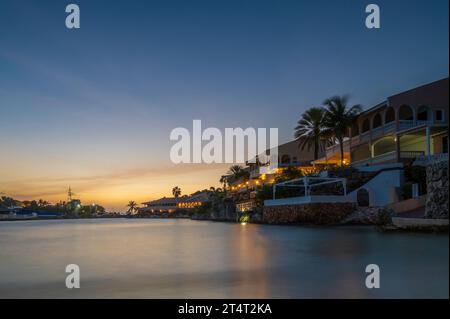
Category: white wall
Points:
column 309, row 200
column 382, row 188
column 375, row 168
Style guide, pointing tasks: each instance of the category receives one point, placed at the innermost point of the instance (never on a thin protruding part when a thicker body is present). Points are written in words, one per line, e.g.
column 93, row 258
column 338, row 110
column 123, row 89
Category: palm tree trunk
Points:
column 341, row 147
column 316, row 149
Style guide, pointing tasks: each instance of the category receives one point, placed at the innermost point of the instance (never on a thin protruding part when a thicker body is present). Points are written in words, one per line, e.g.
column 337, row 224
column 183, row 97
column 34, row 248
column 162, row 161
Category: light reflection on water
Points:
column 142, row 258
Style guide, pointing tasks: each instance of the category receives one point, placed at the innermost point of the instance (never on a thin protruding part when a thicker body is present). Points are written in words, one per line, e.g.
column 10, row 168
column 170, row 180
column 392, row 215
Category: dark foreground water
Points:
column 131, row 258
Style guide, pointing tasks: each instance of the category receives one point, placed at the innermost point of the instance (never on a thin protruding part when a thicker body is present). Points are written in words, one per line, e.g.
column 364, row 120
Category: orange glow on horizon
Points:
column 114, row 190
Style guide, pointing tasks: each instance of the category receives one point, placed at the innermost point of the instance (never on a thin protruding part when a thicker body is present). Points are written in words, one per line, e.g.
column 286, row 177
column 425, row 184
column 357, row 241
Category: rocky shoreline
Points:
column 382, row 218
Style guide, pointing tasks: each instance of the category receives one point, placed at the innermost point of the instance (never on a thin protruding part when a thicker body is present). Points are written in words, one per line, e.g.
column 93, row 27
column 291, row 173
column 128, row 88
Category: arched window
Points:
column 366, row 126
column 406, row 113
column 377, row 121
column 355, row 129
column 389, row 116
column 422, row 113
column 285, row 159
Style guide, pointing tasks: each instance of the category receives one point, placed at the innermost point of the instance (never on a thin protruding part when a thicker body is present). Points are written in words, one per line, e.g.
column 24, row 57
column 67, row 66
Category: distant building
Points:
column 290, row 155
column 172, row 204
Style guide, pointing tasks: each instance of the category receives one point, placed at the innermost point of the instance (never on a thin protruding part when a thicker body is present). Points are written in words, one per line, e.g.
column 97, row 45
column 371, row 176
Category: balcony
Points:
column 390, row 127
column 407, row 124
column 389, row 157
column 364, row 137
column 411, row 154
column 383, row 158
column 354, row 140
column 377, row 132
column 259, row 170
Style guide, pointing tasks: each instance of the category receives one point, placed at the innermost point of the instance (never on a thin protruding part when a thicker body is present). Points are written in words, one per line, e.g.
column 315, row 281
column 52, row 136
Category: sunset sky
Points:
column 93, row 108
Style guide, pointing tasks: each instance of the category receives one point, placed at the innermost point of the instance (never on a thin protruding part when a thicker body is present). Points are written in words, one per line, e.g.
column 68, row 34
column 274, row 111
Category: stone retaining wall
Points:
column 313, row 213
column 437, row 189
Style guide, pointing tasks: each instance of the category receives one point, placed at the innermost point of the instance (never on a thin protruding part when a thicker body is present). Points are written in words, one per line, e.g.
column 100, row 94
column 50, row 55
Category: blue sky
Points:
column 100, row 102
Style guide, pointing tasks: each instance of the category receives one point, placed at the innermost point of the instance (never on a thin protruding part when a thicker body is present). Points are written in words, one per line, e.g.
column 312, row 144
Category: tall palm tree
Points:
column 339, row 117
column 176, row 191
column 237, row 172
column 132, row 207
column 235, row 169
column 311, row 130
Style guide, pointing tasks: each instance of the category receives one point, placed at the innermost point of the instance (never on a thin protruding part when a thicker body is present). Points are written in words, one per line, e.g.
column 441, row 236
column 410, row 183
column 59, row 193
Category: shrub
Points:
column 264, row 193
column 203, row 209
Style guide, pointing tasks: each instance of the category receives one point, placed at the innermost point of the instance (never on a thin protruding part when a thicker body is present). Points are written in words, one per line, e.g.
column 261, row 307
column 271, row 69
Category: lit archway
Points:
column 384, row 145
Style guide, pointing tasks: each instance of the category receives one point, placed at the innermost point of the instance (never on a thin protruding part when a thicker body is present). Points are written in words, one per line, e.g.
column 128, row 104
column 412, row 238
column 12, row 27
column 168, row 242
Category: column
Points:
column 397, row 147
column 428, row 149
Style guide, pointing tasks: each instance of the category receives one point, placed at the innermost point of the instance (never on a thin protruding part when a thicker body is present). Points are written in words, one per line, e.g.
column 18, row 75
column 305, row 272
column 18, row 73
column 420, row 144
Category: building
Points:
column 173, row 204
column 290, row 154
column 406, row 127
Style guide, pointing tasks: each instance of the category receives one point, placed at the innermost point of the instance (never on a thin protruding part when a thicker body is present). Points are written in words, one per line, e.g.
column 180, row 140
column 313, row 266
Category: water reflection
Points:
column 183, row 258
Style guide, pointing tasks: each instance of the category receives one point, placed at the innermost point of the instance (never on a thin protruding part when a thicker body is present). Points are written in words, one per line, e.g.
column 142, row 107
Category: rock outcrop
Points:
column 313, row 213
column 220, row 210
column 370, row 216
column 437, row 189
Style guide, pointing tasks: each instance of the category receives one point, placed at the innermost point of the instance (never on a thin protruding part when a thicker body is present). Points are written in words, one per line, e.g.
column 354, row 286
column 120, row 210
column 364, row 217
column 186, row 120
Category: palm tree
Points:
column 42, row 203
column 223, row 180
column 339, row 117
column 176, row 191
column 235, row 170
column 311, row 130
column 132, row 206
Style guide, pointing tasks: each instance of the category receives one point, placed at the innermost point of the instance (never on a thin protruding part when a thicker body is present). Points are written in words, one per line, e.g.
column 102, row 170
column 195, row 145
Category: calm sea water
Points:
column 142, row 258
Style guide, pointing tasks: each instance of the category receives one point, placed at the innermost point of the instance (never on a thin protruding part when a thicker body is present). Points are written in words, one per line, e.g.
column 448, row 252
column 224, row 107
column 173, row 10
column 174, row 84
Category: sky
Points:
column 93, row 107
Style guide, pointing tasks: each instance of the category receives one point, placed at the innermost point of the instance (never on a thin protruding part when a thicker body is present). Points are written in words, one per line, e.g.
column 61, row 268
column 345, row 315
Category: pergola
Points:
column 309, row 182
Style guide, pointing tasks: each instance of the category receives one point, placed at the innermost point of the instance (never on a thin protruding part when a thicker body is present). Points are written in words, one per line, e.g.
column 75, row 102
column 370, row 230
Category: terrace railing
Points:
column 390, row 127
column 364, row 137
column 389, row 156
column 411, row 154
column 363, row 162
column 407, row 124
column 377, row 132
column 307, row 183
